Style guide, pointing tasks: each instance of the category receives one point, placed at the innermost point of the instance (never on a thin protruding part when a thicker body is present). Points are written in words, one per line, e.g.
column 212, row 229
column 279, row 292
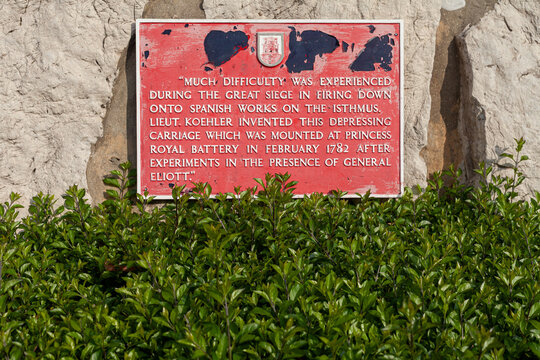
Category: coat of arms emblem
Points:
column 270, row 48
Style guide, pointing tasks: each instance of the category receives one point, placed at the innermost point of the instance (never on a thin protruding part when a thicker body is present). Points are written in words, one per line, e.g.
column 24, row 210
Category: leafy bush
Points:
column 450, row 273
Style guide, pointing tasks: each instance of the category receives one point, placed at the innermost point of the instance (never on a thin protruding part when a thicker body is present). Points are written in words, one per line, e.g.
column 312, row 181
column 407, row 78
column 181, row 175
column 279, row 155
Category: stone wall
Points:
column 67, row 93
column 59, row 60
column 501, row 88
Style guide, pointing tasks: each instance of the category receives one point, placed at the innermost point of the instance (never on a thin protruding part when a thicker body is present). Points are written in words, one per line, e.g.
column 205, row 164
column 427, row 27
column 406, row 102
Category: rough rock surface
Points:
column 59, row 60
column 501, row 88
column 421, row 20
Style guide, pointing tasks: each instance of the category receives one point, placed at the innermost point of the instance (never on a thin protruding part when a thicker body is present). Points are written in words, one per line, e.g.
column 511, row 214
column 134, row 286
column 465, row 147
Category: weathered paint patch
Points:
column 371, row 29
column 451, row 5
column 344, row 46
column 166, row 32
column 221, row 46
column 146, row 54
column 377, row 51
column 186, row 25
column 312, row 43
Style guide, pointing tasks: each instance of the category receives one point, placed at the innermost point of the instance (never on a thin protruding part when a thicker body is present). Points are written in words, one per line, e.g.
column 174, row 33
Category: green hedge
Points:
column 450, row 273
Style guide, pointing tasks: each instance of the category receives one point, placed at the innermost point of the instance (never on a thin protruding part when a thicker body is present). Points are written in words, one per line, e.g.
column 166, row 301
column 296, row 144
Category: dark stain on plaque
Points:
column 221, row 46
column 186, row 25
column 377, row 51
column 371, row 28
column 344, row 46
column 146, row 54
column 166, row 32
column 303, row 47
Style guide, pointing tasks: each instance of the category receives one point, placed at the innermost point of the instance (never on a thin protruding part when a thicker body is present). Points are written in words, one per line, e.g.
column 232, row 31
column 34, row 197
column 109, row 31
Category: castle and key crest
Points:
column 270, row 48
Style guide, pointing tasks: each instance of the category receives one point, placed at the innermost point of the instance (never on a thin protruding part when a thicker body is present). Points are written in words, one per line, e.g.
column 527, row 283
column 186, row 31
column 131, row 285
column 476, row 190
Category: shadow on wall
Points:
column 445, row 146
column 131, row 105
column 449, row 107
column 118, row 142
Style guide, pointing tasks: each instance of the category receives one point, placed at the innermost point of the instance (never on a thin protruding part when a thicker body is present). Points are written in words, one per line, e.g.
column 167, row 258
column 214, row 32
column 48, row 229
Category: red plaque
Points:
column 226, row 102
